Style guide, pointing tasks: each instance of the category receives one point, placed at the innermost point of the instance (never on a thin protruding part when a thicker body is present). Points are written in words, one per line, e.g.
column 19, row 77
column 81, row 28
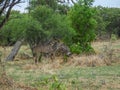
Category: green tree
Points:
column 60, row 6
column 101, row 23
column 50, row 3
column 83, row 22
column 108, row 20
column 53, row 24
column 14, row 29
column 34, row 34
column 113, row 17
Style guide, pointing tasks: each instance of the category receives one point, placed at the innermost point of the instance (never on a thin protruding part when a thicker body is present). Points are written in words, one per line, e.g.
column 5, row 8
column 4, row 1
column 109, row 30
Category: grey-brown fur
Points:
column 42, row 49
column 50, row 50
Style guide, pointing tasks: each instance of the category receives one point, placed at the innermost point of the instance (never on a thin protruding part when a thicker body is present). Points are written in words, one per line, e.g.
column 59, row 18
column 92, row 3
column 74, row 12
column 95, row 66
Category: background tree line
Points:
column 108, row 20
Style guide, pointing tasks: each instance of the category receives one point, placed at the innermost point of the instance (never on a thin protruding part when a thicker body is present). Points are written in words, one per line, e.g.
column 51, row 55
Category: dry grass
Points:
column 89, row 61
column 81, row 72
column 99, row 59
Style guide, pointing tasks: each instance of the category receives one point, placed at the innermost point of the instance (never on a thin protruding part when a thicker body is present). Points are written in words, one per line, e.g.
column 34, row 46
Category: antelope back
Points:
column 62, row 49
column 42, row 49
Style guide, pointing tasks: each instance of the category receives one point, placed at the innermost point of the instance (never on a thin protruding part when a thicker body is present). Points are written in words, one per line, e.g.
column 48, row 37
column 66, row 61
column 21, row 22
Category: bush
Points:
column 83, row 22
column 76, row 48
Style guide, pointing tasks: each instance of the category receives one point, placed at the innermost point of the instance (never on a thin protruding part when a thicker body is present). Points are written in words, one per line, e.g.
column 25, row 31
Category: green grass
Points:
column 74, row 78
column 91, row 71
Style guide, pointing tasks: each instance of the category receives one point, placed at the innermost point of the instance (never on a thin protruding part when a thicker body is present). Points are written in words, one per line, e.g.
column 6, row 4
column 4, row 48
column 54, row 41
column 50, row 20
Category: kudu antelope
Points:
column 52, row 49
column 42, row 50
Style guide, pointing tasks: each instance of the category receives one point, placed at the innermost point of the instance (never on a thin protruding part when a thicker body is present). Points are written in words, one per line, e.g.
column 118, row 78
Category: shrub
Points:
column 76, row 48
column 83, row 22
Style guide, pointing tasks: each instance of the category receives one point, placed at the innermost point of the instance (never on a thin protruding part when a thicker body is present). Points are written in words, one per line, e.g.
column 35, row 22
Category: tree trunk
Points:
column 14, row 51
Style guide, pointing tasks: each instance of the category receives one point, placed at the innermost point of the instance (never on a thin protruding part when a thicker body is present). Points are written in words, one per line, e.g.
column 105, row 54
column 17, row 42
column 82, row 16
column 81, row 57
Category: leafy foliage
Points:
column 34, row 33
column 51, row 23
column 14, row 29
column 108, row 21
column 58, row 6
column 83, row 22
column 50, row 3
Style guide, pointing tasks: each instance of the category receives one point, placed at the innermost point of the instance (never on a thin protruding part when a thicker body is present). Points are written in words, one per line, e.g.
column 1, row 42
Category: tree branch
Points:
column 3, row 8
column 10, row 6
